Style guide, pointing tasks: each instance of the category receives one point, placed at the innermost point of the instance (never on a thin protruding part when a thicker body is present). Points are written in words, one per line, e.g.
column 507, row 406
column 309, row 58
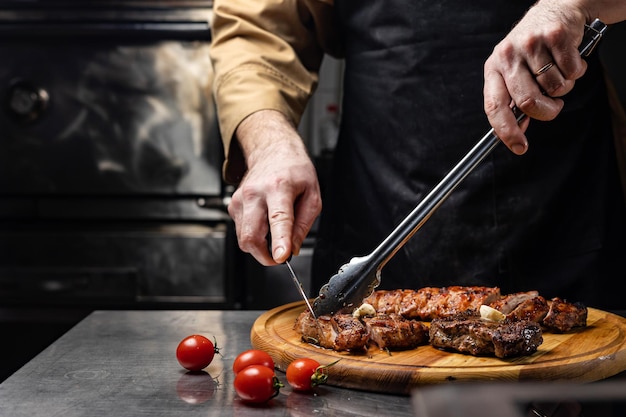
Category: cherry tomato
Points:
column 252, row 357
column 195, row 352
column 257, row 384
column 304, row 374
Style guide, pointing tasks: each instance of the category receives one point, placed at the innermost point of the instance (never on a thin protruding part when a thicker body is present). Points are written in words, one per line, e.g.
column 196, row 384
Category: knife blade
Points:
column 358, row 278
column 298, row 285
column 294, row 278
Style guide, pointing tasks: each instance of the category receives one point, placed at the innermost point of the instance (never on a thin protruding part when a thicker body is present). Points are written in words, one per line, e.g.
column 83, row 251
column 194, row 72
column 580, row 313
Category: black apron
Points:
column 551, row 220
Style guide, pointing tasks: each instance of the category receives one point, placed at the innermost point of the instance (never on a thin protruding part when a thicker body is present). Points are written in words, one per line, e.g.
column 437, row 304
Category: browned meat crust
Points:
column 343, row 332
column 455, row 321
column 352, row 334
column 564, row 316
column 319, row 332
column 558, row 315
column 507, row 303
column 388, row 302
column 532, row 309
column 480, row 337
column 394, row 332
column 432, row 302
column 340, row 332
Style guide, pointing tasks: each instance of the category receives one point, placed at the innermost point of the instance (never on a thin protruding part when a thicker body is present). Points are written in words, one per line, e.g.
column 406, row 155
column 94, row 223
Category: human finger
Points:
column 280, row 215
column 249, row 213
column 555, row 81
column 497, row 107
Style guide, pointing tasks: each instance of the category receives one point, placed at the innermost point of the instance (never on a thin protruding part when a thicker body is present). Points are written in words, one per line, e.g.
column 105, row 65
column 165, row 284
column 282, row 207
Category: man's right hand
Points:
column 279, row 193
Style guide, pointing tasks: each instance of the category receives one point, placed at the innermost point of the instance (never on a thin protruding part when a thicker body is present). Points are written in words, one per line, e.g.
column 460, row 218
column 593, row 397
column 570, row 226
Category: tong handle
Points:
column 422, row 212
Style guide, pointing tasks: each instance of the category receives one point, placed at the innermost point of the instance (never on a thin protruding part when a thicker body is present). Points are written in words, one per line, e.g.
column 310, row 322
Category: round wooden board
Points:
column 585, row 355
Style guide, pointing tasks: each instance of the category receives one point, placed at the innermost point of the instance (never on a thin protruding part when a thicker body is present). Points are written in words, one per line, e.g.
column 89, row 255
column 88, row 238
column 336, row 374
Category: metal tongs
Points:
column 357, row 279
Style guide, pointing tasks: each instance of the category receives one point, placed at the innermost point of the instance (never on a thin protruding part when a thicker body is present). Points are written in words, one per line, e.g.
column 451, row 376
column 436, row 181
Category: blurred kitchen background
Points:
column 111, row 194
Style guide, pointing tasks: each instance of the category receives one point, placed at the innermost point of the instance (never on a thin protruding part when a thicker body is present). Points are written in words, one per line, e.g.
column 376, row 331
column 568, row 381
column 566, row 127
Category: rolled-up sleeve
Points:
column 266, row 54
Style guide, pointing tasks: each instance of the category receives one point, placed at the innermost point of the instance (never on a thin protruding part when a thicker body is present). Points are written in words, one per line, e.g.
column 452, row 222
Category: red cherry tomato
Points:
column 257, row 384
column 195, row 352
column 252, row 357
column 304, row 374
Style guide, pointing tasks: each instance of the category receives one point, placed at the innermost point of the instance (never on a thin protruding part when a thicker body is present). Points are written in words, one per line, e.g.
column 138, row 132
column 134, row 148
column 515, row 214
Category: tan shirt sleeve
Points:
column 266, row 54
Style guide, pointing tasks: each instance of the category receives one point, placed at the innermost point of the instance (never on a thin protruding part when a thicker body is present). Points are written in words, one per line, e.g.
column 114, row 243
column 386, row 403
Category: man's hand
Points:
column 279, row 193
column 534, row 65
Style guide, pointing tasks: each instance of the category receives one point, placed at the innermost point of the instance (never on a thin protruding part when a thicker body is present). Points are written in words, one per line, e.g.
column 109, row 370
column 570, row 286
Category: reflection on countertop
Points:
column 122, row 363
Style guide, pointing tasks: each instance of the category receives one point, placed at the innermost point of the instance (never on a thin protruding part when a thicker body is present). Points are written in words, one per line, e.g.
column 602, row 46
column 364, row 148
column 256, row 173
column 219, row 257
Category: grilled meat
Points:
column 563, row 316
column 394, row 332
column 557, row 315
column 507, row 303
column 432, row 302
column 454, row 313
column 388, row 301
column 343, row 332
column 480, row 337
column 339, row 332
column 319, row 332
column 532, row 309
column 352, row 334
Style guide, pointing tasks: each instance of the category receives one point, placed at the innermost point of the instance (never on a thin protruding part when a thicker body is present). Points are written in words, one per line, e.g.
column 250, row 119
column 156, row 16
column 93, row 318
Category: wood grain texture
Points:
column 590, row 354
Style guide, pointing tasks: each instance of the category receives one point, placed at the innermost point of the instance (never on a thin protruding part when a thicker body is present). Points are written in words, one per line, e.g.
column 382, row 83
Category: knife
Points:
column 298, row 284
column 358, row 278
column 294, row 278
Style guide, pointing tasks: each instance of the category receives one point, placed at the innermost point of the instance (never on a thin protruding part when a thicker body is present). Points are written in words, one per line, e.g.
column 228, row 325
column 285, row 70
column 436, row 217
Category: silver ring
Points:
column 544, row 68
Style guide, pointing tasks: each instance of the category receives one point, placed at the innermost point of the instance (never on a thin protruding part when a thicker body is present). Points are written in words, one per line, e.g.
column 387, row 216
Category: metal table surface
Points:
column 123, row 363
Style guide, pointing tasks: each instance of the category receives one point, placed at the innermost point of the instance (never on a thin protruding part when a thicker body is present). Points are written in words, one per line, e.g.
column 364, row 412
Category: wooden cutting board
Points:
column 590, row 354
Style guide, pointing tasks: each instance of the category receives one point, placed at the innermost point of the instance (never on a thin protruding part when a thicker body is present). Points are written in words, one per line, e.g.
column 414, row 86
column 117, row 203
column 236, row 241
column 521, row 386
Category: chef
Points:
column 422, row 83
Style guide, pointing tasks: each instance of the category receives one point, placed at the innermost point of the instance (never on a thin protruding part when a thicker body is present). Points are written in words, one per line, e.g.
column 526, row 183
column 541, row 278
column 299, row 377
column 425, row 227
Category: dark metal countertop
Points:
column 123, row 363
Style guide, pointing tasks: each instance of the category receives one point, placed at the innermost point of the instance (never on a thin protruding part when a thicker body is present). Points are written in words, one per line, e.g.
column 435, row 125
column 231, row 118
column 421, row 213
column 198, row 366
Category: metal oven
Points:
column 110, row 163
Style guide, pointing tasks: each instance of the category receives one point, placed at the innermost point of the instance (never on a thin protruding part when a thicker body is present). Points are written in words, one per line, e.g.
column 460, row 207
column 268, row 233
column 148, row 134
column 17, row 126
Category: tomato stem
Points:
column 277, row 386
column 215, row 348
column 320, row 376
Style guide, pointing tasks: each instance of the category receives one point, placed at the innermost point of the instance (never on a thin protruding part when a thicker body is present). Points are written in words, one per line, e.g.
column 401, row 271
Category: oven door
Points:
column 110, row 165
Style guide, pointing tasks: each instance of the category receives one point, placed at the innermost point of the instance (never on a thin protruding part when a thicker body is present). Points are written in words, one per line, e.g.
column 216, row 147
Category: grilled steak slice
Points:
column 388, row 301
column 532, row 309
column 432, row 302
column 394, row 332
column 507, row 303
column 339, row 332
column 563, row 316
column 557, row 315
column 351, row 333
column 480, row 337
column 319, row 332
